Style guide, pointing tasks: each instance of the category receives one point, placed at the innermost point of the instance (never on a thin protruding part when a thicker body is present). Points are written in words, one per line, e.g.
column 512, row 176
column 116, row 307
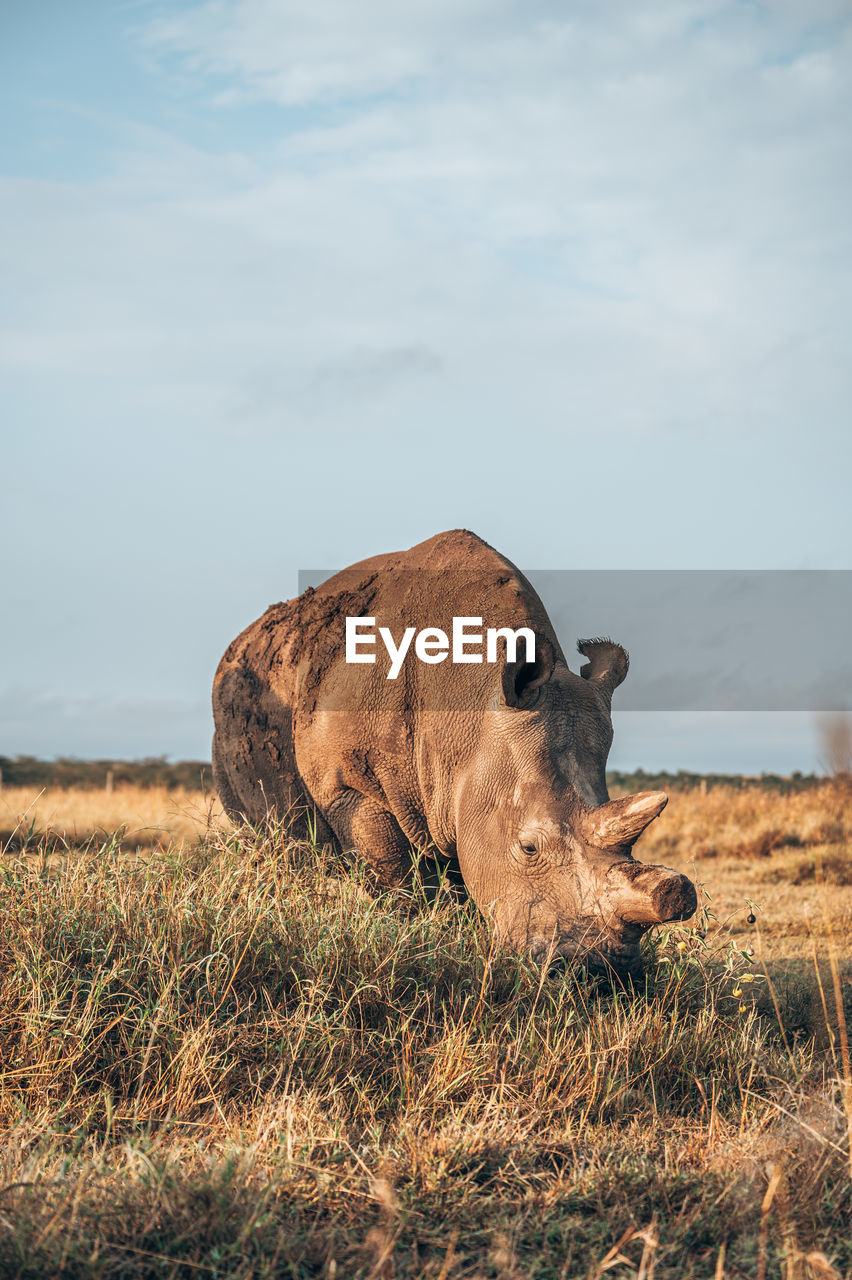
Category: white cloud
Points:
column 297, row 53
column 575, row 275
column 598, row 253
column 636, row 213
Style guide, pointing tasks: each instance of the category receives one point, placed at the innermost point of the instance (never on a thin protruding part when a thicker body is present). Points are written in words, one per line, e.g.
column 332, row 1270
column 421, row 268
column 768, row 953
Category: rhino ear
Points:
column 607, row 665
column 522, row 680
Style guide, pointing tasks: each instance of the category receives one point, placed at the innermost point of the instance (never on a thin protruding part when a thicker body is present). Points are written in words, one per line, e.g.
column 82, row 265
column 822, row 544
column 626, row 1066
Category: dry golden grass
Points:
column 728, row 822
column 148, row 816
column 789, row 855
column 742, row 845
column 229, row 1059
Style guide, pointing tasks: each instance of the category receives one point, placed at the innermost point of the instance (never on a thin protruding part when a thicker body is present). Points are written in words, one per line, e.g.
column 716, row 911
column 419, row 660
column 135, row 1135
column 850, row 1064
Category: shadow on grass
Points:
column 503, row 1212
column 56, row 843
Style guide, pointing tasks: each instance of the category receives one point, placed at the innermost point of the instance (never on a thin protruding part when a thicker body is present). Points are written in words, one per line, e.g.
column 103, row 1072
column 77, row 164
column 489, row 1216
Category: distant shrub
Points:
column 196, row 775
column 683, row 780
column 68, row 771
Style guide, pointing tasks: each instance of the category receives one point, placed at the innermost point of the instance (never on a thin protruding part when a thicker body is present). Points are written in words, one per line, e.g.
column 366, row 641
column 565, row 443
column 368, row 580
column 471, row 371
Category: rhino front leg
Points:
column 362, row 825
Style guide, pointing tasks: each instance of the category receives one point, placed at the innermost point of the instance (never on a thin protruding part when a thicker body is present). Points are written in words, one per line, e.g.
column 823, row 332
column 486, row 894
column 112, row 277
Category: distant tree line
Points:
column 197, row 775
column 68, row 771
column 683, row 780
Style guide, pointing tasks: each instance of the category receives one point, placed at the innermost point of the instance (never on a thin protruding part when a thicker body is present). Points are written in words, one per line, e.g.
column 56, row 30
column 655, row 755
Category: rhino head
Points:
column 541, row 847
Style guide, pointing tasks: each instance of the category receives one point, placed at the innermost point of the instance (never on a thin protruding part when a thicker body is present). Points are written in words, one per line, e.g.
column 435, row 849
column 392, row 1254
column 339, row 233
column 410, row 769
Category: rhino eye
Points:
column 529, row 846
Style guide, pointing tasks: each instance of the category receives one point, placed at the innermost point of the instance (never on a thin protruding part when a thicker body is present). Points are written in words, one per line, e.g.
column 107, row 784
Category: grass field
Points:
column 222, row 1056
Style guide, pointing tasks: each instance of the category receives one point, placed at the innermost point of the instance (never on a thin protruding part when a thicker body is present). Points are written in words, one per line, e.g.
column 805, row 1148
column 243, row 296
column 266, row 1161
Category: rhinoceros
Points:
column 493, row 770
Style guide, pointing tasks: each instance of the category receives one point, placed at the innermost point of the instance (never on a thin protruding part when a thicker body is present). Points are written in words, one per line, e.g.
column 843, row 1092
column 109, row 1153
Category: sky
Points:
column 290, row 284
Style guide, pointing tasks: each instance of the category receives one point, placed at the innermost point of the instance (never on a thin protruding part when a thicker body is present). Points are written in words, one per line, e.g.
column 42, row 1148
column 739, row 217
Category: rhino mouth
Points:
column 605, row 942
column 600, row 967
column 605, row 956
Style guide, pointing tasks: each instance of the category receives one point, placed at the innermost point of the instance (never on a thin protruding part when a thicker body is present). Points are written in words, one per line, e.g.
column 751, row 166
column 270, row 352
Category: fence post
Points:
column 110, row 778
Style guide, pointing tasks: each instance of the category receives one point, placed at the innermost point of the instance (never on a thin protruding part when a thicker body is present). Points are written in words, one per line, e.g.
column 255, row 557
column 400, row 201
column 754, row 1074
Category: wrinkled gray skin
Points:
column 496, row 771
column 567, row 883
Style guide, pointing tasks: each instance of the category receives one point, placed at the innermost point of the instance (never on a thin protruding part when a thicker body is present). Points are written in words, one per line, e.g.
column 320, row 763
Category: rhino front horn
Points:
column 618, row 824
column 649, row 895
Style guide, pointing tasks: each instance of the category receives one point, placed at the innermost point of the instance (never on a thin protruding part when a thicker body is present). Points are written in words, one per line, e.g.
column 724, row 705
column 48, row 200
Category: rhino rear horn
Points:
column 608, row 663
column 619, row 823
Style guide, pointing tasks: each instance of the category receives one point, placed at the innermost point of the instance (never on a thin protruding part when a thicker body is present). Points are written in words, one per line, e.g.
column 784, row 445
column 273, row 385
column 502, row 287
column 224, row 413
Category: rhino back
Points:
column 454, row 574
column 403, row 742
column 296, row 725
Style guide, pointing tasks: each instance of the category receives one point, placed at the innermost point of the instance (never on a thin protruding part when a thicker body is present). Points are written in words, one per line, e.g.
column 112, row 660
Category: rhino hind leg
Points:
column 364, row 827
